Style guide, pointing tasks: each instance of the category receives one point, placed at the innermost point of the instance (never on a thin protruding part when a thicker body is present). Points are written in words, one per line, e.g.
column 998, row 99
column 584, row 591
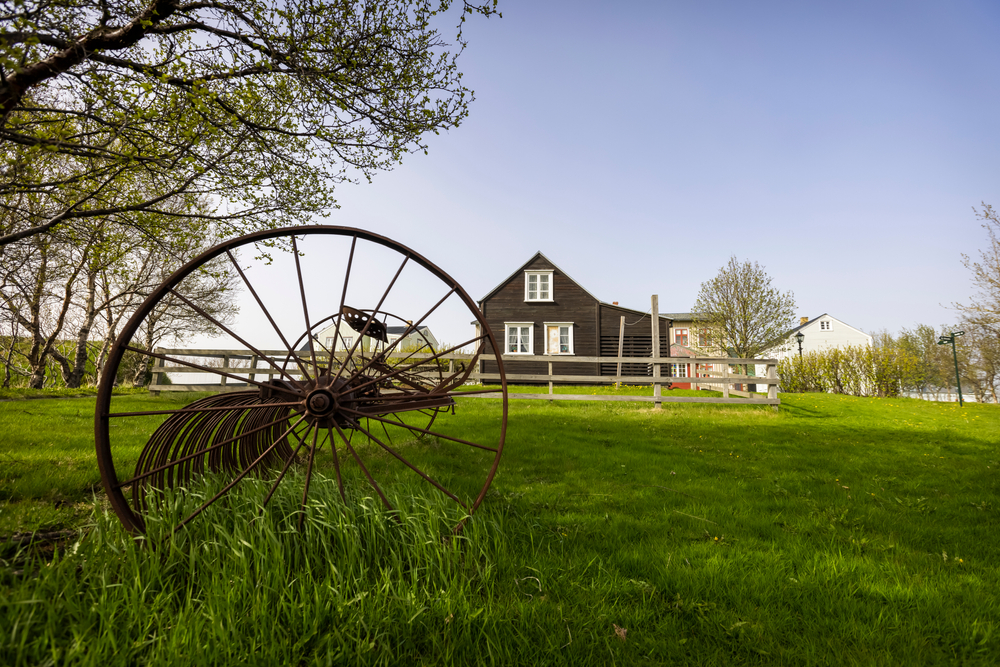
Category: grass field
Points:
column 836, row 531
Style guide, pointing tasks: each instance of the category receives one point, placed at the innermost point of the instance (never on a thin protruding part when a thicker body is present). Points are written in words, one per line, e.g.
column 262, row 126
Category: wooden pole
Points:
column 772, row 389
column 656, row 350
column 621, row 343
column 158, row 377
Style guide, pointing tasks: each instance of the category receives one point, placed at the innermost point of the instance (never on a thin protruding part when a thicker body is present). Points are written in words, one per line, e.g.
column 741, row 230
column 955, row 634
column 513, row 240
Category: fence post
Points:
column 621, row 343
column 550, row 379
column 772, row 389
column 155, row 380
column 725, row 385
column 656, row 351
column 225, row 368
column 253, row 364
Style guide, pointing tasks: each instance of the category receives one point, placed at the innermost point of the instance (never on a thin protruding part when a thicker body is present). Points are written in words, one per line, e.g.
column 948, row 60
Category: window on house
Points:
column 826, row 325
column 681, row 336
column 348, row 342
column 538, row 286
column 519, row 338
column 678, row 370
column 558, row 338
column 328, row 344
column 703, row 338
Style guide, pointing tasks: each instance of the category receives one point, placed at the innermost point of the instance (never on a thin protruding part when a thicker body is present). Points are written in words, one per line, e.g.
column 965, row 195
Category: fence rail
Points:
column 233, row 365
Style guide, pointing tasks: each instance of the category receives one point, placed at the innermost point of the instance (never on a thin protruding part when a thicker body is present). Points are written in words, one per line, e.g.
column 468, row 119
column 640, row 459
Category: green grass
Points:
column 838, row 530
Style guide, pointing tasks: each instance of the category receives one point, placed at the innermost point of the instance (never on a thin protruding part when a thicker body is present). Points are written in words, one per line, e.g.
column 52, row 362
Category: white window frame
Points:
column 825, row 325
column 679, row 370
column 545, row 328
column 347, row 341
column 527, row 280
column 507, row 326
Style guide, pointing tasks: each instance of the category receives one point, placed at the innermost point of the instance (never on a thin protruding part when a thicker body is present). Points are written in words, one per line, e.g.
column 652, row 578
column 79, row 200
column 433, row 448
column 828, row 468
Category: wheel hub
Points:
column 320, row 403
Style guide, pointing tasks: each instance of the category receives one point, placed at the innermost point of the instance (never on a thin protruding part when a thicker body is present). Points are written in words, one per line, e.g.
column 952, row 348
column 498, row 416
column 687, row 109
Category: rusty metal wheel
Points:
column 376, row 391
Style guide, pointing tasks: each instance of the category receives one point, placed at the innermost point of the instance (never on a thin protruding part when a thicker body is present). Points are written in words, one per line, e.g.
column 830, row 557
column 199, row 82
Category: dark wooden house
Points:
column 540, row 311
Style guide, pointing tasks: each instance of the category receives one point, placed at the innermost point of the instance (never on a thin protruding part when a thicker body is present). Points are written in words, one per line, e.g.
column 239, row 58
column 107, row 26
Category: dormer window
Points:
column 538, row 286
column 826, row 325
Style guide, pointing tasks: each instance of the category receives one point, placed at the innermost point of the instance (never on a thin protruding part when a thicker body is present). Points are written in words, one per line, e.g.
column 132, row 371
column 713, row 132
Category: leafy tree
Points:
column 261, row 106
column 984, row 306
column 744, row 314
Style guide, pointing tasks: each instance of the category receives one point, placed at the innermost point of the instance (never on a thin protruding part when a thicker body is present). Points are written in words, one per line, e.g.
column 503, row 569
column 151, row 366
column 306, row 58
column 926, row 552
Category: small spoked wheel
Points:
column 341, row 375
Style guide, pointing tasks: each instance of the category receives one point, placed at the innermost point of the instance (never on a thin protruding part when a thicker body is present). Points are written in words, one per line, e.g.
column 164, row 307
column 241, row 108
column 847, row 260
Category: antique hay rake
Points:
column 376, row 408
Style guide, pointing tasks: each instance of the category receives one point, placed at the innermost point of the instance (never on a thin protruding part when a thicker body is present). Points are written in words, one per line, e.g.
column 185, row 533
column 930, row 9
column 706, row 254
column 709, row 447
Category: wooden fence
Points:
column 239, row 365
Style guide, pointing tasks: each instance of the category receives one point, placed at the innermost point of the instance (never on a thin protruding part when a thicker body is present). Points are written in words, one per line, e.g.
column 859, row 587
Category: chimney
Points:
column 803, row 320
column 614, row 303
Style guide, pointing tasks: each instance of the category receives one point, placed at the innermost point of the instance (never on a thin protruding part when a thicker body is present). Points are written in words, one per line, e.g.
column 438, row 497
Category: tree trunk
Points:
column 74, row 372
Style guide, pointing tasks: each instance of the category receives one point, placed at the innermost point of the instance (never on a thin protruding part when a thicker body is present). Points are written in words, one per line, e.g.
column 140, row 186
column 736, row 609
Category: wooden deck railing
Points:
column 243, row 365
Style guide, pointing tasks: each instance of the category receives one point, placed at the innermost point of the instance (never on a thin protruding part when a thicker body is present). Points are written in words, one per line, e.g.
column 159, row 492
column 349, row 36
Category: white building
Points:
column 819, row 333
column 420, row 338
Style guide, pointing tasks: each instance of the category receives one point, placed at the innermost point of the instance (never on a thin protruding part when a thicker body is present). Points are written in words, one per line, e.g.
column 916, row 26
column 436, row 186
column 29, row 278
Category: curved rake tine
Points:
column 202, row 452
column 270, row 319
column 336, row 464
column 241, row 475
column 309, row 470
column 371, row 480
column 288, row 463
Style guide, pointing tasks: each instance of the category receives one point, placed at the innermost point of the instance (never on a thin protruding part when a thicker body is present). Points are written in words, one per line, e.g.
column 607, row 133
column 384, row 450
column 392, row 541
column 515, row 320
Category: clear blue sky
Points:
column 639, row 145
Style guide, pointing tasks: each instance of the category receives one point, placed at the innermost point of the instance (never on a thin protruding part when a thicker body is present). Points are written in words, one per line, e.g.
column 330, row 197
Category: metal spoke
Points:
column 240, row 476
column 305, row 308
column 309, row 469
column 371, row 480
column 336, row 464
column 410, row 328
column 364, row 330
column 288, row 463
column 400, row 422
column 206, row 369
column 270, row 319
column 428, row 478
column 343, row 297
column 226, row 329
column 184, row 411
column 412, row 366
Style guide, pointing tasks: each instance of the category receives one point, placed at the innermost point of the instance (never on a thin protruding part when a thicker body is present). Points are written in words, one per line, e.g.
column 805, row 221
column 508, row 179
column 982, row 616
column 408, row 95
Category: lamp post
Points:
column 800, row 337
column 945, row 340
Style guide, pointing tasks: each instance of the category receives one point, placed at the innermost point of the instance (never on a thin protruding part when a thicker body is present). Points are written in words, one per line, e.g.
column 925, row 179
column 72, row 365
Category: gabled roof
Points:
column 791, row 332
column 523, row 268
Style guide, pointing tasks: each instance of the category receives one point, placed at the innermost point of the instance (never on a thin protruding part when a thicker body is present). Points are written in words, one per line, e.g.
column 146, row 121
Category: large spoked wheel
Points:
column 345, row 361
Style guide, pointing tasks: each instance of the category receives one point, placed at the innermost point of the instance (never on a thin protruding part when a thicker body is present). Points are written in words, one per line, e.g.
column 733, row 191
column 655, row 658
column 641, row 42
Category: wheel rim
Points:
column 362, row 405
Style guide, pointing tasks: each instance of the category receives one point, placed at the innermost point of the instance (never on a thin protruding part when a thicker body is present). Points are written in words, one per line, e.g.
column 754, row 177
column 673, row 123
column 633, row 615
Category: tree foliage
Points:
column 113, row 107
column 64, row 296
column 983, row 308
column 743, row 313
